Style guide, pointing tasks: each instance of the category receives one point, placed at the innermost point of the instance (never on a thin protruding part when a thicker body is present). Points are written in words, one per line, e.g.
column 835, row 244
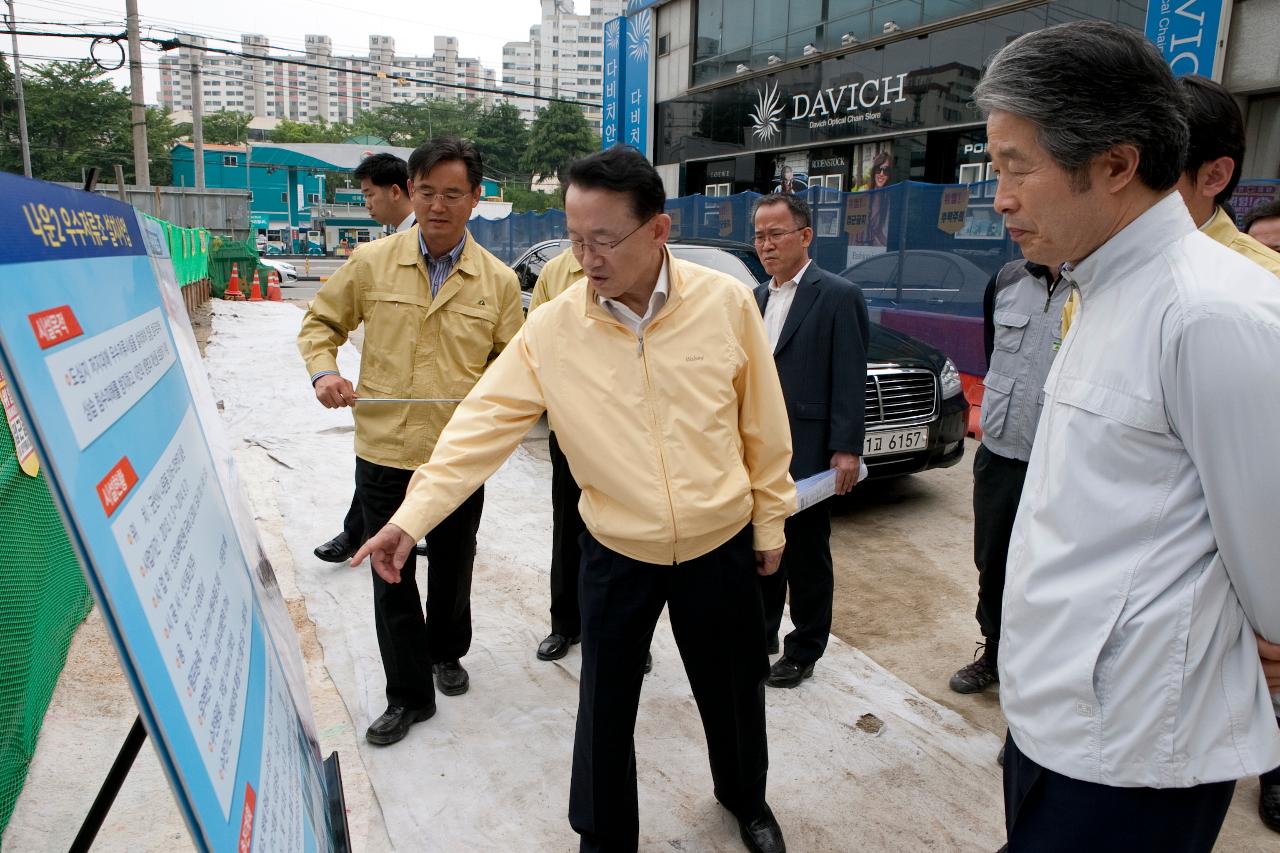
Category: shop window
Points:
column 717, row 190
column 230, row 160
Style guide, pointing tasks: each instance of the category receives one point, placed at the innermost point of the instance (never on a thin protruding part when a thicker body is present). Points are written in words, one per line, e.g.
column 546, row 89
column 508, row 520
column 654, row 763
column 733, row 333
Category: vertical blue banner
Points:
column 1190, row 34
column 635, row 81
column 611, row 112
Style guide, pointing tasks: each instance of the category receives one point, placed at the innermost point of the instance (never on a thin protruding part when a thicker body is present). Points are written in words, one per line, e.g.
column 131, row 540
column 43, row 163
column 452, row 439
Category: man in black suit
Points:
column 819, row 329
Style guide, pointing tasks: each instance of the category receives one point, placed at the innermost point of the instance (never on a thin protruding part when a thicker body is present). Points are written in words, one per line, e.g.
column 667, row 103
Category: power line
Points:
column 170, row 44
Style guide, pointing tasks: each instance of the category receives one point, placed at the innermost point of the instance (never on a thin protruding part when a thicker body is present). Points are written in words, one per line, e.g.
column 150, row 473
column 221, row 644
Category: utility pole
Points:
column 17, row 90
column 197, row 116
column 141, row 156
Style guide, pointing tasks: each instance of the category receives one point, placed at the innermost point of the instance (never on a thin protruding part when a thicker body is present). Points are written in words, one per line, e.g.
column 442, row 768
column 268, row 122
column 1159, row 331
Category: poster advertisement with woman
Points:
column 870, row 209
column 791, row 172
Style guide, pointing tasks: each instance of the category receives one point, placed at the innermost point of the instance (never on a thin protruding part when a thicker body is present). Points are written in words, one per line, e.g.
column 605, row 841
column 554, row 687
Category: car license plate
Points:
column 896, row 441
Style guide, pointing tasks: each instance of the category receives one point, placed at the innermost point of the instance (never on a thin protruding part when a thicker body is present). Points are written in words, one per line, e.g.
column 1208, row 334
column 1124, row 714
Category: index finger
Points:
column 361, row 552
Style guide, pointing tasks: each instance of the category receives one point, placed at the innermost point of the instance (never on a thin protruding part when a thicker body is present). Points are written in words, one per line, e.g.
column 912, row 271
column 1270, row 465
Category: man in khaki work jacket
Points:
column 437, row 308
column 658, row 378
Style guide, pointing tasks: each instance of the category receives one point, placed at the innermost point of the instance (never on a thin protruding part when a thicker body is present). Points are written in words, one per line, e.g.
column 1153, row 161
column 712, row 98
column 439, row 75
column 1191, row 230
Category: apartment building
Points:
column 316, row 83
column 563, row 58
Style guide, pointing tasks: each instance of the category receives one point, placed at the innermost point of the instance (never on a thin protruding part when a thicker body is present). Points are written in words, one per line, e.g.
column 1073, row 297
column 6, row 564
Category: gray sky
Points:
column 481, row 26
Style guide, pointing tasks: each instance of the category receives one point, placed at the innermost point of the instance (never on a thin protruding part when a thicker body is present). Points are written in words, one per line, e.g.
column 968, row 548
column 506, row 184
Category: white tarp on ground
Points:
column 490, row 771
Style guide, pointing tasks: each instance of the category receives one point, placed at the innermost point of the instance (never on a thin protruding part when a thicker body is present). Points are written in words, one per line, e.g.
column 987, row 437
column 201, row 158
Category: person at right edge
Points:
column 1214, row 158
column 1142, row 559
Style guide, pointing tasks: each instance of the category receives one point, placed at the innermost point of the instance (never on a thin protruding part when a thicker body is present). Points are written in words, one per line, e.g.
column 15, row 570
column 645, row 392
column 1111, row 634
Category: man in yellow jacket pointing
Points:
column 658, row 377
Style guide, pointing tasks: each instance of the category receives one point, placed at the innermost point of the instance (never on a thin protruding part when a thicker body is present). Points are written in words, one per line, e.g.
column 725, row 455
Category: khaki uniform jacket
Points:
column 678, row 441
column 1222, row 229
column 414, row 346
column 556, row 277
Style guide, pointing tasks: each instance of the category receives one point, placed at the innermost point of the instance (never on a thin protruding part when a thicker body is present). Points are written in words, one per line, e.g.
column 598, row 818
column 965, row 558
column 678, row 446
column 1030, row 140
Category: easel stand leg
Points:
column 107, row 794
column 337, row 804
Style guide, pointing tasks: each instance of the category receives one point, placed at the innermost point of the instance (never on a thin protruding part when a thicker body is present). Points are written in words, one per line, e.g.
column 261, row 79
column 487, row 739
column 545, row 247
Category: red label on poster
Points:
column 246, row 820
column 116, row 485
column 54, row 326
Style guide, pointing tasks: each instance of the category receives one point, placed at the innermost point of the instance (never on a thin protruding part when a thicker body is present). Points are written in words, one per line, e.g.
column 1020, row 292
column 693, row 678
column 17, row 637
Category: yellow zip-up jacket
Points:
column 556, row 277
column 678, row 440
column 414, row 346
column 1222, row 229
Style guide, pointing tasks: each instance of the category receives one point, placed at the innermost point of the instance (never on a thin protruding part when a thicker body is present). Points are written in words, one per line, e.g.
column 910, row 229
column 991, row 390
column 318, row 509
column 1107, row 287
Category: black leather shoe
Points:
column 788, row 673
column 648, row 662
column 1269, row 806
column 772, row 647
column 762, row 835
column 451, row 678
column 394, row 723
column 556, row 646
column 339, row 549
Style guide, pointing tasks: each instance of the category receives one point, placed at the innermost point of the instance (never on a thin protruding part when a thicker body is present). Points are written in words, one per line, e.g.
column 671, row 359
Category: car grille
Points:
column 900, row 396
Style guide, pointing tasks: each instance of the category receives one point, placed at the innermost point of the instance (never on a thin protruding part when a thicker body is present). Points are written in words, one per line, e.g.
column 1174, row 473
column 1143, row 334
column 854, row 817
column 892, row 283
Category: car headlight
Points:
column 950, row 379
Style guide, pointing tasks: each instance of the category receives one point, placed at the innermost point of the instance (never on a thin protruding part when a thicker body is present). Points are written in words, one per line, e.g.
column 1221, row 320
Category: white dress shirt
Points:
column 779, row 305
column 1143, row 558
column 409, row 222
column 629, row 318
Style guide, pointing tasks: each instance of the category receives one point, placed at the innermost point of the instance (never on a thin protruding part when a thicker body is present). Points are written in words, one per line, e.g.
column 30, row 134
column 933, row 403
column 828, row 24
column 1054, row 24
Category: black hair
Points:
column 383, row 170
column 442, row 149
column 621, row 169
column 1217, row 129
column 798, row 207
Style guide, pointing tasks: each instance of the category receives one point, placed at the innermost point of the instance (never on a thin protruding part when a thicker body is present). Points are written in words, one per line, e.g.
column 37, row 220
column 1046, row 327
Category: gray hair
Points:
column 798, row 207
column 1089, row 86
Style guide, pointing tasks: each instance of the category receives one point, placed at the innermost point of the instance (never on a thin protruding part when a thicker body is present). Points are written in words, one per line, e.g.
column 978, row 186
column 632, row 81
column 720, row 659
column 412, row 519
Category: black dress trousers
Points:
column 353, row 524
column 997, row 488
column 806, row 570
column 718, row 622
column 408, row 643
column 566, row 553
column 1046, row 812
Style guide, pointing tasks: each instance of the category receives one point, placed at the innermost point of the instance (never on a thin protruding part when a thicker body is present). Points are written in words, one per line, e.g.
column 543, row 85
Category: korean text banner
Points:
column 636, row 89
column 93, row 341
column 611, row 112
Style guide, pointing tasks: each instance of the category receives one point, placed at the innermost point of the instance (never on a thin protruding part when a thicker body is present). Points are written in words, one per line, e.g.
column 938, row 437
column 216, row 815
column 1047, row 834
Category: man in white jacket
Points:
column 1142, row 561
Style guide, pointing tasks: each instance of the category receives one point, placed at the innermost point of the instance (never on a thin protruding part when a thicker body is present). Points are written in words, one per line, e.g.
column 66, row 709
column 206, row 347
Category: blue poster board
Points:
column 95, row 343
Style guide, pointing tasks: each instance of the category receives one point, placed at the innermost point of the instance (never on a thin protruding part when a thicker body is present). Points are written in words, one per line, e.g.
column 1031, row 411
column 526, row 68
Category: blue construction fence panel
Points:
column 922, row 253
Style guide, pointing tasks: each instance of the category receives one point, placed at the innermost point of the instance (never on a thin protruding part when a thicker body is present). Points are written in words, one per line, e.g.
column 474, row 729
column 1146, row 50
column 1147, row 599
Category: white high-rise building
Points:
column 563, row 58
column 266, row 86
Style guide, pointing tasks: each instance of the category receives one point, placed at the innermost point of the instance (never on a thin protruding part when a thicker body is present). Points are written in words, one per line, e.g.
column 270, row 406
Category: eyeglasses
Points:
column 451, row 198
column 603, row 247
column 884, row 170
column 774, row 236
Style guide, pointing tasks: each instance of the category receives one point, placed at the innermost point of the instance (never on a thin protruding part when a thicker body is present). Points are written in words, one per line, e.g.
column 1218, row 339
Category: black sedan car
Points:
column 916, row 415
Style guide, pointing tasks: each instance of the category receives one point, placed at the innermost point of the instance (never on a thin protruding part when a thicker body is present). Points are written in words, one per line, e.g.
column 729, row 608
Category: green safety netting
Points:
column 43, row 599
column 223, row 253
column 189, row 248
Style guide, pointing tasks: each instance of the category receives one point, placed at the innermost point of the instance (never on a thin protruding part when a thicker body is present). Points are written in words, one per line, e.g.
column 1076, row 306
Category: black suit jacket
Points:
column 822, row 362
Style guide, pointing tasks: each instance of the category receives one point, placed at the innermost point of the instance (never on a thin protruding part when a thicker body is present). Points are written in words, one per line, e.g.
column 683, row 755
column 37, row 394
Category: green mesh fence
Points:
column 43, row 598
column 189, row 248
column 223, row 253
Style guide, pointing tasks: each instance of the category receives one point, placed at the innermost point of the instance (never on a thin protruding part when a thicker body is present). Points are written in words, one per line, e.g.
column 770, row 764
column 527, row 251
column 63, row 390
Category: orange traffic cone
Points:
column 255, row 290
column 233, row 286
column 273, row 288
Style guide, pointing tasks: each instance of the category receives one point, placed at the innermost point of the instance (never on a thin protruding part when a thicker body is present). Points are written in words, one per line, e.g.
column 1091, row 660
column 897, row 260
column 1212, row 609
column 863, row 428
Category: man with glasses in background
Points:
column 657, row 375
column 437, row 309
column 384, row 181
column 818, row 331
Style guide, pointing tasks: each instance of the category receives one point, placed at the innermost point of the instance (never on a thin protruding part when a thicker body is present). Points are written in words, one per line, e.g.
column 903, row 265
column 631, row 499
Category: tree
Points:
column 412, row 124
column 162, row 133
column 314, row 131
column 226, row 128
column 501, row 136
column 75, row 120
column 560, row 135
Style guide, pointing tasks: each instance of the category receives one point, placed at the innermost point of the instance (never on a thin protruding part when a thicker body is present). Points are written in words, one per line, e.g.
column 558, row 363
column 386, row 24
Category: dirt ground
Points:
column 906, row 589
